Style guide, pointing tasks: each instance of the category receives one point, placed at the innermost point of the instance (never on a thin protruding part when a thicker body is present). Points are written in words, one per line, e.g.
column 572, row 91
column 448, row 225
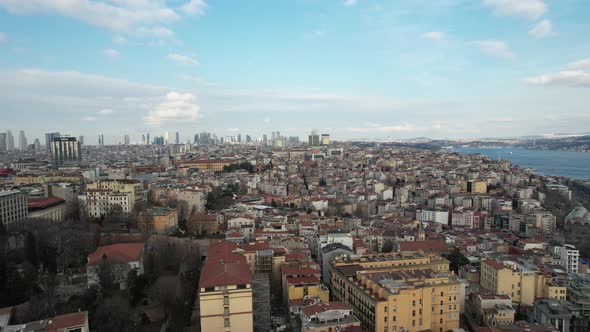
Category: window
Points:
column 77, row 329
column 226, row 322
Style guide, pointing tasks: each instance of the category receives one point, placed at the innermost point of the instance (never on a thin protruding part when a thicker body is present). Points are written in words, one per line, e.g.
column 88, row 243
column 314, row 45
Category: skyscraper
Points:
column 147, row 139
column 325, row 139
column 22, row 141
column 9, row 141
column 2, row 142
column 177, row 138
column 81, row 139
column 37, row 145
column 126, row 139
column 143, row 142
column 101, row 139
column 65, row 150
column 48, row 139
column 264, row 139
column 166, row 137
column 314, row 139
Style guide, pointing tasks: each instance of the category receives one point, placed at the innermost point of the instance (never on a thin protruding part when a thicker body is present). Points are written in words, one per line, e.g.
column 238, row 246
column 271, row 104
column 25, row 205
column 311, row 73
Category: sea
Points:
column 575, row 165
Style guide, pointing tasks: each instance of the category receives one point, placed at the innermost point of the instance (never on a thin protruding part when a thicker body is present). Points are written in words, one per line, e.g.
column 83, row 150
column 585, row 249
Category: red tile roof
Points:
column 426, row 245
column 300, row 271
column 322, row 307
column 303, row 280
column 38, row 204
column 75, row 319
column 494, row 264
column 120, row 252
column 223, row 267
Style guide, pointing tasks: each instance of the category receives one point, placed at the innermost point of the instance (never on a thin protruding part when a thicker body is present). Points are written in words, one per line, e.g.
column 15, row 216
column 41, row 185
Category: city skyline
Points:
column 358, row 69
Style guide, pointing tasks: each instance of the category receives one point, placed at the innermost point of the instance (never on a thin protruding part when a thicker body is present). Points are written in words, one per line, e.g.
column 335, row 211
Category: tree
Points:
column 106, row 276
column 387, row 246
column 322, row 182
column 112, row 315
column 457, row 259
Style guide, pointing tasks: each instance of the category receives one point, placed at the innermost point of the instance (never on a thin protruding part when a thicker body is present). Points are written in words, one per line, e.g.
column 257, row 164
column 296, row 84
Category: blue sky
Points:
column 354, row 69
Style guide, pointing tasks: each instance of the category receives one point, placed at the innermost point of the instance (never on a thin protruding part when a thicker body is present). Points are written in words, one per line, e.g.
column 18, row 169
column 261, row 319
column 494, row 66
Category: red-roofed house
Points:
column 120, row 257
column 300, row 283
column 73, row 322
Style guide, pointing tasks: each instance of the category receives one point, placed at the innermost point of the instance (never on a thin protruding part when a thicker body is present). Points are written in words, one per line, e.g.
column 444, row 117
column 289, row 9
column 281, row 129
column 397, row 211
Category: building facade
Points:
column 13, row 208
column 65, row 151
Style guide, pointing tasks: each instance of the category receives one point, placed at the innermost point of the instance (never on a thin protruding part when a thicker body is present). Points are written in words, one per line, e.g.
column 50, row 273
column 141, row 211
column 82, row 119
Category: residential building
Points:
column 133, row 187
column 399, row 300
column 563, row 315
column 302, row 283
column 158, row 220
column 569, row 257
column 519, row 280
column 324, row 317
column 329, row 253
column 13, row 208
column 101, row 202
column 120, row 257
column 225, row 290
column 194, row 198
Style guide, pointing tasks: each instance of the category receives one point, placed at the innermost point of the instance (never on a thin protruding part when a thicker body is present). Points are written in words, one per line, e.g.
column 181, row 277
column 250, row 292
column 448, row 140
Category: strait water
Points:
column 559, row 163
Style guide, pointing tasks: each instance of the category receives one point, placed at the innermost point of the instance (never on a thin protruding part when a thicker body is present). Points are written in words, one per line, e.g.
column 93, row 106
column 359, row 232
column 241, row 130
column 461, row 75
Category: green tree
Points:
column 457, row 259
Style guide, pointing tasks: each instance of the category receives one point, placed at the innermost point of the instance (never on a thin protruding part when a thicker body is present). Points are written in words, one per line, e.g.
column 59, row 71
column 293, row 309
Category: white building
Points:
column 100, row 202
column 194, row 198
column 437, row 216
column 569, row 257
column 13, row 207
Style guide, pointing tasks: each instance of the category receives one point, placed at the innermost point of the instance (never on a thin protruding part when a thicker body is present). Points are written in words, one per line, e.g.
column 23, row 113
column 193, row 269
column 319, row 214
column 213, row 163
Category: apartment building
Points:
column 125, row 186
column 522, row 282
column 13, row 208
column 399, row 291
column 101, row 202
column 158, row 220
column 225, row 291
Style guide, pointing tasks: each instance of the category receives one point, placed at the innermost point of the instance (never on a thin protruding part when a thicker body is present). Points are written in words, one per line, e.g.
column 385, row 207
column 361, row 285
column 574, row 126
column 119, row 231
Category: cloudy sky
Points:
column 355, row 69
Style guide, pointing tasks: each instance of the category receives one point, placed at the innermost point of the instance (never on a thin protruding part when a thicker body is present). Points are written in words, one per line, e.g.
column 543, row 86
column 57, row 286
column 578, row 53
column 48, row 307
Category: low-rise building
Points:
column 322, row 317
column 120, row 258
column 102, row 202
column 52, row 208
column 158, row 220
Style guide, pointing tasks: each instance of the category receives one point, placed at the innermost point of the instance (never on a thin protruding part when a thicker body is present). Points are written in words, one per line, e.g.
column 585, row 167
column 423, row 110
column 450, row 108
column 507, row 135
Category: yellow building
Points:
column 399, row 299
column 522, row 283
column 74, row 178
column 225, row 291
column 301, row 283
column 125, row 186
column 410, row 260
column 158, row 220
column 215, row 165
column 478, row 187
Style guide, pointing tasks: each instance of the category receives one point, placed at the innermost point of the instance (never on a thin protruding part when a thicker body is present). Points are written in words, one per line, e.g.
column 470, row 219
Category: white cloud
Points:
column 184, row 59
column 523, row 8
column 2, row 37
column 541, row 29
column 350, row 2
column 138, row 17
column 266, row 120
column 495, row 48
column 582, row 64
column 573, row 78
column 175, row 107
column 434, row 35
column 195, row 7
column 89, row 118
column 105, row 111
column 233, row 130
column 111, row 53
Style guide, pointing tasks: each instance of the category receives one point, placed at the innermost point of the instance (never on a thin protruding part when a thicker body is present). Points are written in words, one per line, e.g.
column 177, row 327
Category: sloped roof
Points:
column 120, row 252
